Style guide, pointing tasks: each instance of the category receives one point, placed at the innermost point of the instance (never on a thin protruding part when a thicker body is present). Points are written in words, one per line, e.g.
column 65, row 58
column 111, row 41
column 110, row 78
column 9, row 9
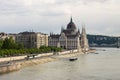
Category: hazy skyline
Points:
column 99, row 16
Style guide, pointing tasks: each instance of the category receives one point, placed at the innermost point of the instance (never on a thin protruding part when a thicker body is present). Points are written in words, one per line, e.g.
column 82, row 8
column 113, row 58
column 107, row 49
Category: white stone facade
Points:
column 69, row 38
column 32, row 39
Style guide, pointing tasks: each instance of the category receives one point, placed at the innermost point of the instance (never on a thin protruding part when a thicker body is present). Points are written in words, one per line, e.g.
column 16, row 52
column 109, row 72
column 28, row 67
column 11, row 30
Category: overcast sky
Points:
column 99, row 16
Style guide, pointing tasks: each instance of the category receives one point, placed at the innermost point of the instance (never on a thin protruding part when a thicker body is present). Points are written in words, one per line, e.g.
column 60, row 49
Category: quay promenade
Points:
column 20, row 61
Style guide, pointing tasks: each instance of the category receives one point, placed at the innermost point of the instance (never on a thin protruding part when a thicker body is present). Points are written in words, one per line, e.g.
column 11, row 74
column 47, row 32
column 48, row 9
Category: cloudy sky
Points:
column 99, row 16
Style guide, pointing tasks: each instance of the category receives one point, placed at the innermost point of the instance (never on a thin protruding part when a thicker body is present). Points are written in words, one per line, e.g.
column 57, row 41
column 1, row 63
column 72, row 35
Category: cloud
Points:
column 17, row 7
column 100, row 16
column 9, row 7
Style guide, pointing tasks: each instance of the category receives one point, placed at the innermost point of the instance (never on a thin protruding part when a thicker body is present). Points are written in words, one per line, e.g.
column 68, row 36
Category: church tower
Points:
column 84, row 40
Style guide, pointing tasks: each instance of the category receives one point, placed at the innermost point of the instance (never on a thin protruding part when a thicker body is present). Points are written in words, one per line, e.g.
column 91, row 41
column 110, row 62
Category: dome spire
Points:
column 71, row 25
column 71, row 19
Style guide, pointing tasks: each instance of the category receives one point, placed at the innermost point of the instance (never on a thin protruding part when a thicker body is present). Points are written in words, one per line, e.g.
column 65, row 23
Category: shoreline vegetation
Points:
column 16, row 65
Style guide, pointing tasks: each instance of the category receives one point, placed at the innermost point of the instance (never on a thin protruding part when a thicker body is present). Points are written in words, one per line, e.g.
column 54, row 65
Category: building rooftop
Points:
column 71, row 25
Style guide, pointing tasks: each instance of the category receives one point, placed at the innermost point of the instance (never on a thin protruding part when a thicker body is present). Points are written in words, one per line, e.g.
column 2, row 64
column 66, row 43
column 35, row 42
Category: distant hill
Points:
column 102, row 41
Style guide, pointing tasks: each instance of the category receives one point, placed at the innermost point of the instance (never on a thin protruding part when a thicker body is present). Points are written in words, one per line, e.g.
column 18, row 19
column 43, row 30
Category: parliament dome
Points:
column 71, row 25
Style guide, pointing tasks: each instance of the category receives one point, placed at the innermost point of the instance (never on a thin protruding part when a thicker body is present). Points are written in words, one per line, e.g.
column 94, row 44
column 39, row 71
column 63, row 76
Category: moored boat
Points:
column 73, row 59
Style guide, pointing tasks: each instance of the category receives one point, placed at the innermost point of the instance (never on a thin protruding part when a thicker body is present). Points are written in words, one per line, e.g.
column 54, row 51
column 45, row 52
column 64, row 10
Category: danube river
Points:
column 102, row 66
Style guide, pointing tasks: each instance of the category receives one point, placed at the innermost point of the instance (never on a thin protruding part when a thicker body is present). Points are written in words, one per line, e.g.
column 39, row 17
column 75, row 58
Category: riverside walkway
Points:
column 13, row 65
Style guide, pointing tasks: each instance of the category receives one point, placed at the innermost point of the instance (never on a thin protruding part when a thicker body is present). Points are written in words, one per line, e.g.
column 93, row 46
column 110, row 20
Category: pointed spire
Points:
column 83, row 29
column 84, row 40
column 78, row 30
column 71, row 19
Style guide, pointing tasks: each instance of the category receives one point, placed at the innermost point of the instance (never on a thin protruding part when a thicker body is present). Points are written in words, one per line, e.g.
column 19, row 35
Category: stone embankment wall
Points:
column 44, row 58
column 22, row 57
column 69, row 51
column 39, row 55
column 9, row 68
column 14, row 66
column 11, row 58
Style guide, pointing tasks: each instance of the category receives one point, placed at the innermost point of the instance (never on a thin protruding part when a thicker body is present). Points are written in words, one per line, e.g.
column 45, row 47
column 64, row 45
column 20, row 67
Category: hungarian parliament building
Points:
column 70, row 38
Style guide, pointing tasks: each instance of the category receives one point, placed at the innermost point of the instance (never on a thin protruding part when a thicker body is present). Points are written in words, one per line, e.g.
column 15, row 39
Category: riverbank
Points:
column 17, row 65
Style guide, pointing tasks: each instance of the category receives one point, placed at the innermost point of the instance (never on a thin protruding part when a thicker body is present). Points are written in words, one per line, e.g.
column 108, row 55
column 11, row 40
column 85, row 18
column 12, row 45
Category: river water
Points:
column 102, row 66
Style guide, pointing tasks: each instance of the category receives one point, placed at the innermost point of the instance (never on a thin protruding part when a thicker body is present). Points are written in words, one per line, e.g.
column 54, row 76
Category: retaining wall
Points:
column 9, row 68
column 22, row 57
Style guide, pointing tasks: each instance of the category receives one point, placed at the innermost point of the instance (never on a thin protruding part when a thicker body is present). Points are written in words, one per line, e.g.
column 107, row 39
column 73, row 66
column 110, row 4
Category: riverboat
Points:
column 73, row 59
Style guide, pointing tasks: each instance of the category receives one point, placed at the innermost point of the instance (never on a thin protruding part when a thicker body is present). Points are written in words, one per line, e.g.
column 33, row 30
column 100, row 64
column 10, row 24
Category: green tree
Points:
column 1, row 43
column 9, row 43
column 20, row 46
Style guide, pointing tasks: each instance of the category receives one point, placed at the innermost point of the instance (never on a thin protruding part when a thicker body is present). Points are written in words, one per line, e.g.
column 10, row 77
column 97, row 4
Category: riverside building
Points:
column 32, row 39
column 70, row 38
column 3, row 36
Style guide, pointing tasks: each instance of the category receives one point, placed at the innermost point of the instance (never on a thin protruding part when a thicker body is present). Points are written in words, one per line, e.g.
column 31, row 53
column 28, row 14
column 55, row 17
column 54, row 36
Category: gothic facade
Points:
column 69, row 38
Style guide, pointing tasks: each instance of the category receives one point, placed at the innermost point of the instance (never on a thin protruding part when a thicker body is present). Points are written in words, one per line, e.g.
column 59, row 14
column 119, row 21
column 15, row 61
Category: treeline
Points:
column 8, row 47
column 102, row 41
column 9, row 43
column 18, row 52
